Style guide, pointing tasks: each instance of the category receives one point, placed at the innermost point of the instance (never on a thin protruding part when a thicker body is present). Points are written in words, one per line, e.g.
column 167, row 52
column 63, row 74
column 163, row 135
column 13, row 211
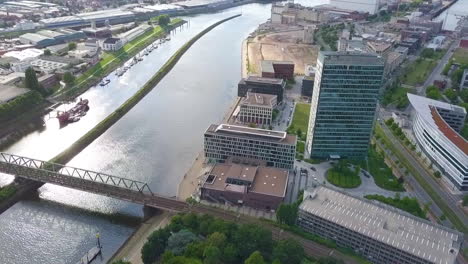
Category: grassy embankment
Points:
column 112, row 60
column 453, row 218
column 299, row 126
column 66, row 155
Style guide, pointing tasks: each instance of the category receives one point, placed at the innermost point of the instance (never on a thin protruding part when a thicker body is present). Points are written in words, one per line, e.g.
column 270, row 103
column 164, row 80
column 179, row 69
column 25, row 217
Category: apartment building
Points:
column 380, row 233
column 276, row 148
column 257, row 108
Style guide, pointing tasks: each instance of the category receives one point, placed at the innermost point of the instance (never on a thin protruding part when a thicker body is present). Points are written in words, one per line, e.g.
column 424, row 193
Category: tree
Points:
column 437, row 174
column 68, row 78
column 464, row 95
column 299, row 132
column 451, row 94
column 465, row 200
column 31, row 82
column 71, row 46
column 286, row 214
column 216, row 239
column 155, row 246
column 177, row 242
column 250, row 237
column 195, row 250
column 427, row 53
column 212, row 255
column 255, row 258
column 47, row 52
column 230, row 254
column 163, row 20
column 289, row 251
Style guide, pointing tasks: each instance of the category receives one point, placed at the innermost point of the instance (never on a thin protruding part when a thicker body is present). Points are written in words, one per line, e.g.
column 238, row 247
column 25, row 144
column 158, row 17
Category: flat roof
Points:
column 264, row 180
column 379, row 46
column 427, row 109
column 259, row 99
column 263, row 80
column 267, row 65
column 385, row 224
column 249, row 132
column 350, row 58
column 8, row 92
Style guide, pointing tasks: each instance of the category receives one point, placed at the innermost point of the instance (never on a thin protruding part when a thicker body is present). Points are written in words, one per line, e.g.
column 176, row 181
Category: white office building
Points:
column 436, row 127
column 369, row 6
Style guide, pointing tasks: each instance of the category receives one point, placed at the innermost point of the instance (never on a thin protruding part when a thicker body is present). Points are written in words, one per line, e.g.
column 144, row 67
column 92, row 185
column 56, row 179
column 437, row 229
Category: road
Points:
column 447, row 198
column 436, row 73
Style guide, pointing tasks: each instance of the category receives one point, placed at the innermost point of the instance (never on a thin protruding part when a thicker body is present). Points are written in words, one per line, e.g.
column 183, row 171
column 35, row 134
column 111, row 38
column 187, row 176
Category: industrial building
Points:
column 436, row 127
column 277, row 69
column 134, row 33
column 45, row 38
column 276, row 148
column 100, row 18
column 369, row 6
column 344, row 103
column 256, row 108
column 380, row 233
column 245, row 182
column 261, row 85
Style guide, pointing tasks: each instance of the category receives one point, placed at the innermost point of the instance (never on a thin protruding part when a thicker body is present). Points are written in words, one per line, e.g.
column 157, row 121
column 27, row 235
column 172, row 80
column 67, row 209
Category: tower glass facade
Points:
column 344, row 102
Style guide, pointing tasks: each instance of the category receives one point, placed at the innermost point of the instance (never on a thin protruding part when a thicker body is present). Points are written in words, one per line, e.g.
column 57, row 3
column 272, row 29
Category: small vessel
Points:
column 146, row 52
column 75, row 113
column 104, row 82
column 168, row 38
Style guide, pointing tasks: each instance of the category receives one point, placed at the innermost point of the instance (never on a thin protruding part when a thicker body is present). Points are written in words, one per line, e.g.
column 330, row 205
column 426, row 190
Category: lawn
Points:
column 396, row 95
column 300, row 122
column 418, row 71
column 406, row 204
column 382, row 174
column 343, row 177
column 460, row 56
column 6, row 192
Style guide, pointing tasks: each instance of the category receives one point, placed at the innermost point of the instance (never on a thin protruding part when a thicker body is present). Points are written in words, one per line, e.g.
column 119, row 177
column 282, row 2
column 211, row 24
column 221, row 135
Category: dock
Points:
column 90, row 255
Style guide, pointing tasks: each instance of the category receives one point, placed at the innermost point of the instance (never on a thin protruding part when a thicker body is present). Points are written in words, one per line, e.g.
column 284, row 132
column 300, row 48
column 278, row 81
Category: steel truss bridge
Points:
column 86, row 180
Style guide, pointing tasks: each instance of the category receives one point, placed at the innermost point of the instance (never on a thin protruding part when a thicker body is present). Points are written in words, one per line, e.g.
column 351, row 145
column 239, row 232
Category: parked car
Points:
column 312, row 168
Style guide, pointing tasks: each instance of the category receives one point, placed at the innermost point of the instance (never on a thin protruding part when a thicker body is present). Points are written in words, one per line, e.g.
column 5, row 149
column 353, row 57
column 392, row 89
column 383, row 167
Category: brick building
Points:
column 253, row 185
column 278, row 69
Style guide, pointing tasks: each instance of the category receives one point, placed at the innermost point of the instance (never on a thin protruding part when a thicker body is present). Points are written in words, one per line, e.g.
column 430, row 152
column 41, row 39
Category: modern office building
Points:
column 261, row 85
column 436, row 127
column 256, row 108
column 382, row 234
column 278, row 69
column 344, row 103
column 276, row 148
column 112, row 44
column 242, row 182
column 369, row 6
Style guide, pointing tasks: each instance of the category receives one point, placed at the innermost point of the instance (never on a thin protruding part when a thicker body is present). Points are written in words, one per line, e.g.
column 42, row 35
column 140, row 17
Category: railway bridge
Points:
column 87, row 180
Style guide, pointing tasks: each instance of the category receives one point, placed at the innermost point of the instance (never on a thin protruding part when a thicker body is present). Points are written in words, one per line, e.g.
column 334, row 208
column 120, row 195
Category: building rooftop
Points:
column 8, row 92
column 386, row 224
column 263, row 80
column 353, row 58
column 35, row 37
column 427, row 109
column 259, row 99
column 379, row 46
column 249, row 132
column 24, row 54
column 267, row 65
column 111, row 40
column 258, row 179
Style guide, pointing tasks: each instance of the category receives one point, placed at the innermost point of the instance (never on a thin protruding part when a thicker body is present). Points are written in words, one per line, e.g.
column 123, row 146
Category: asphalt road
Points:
column 435, row 74
column 449, row 199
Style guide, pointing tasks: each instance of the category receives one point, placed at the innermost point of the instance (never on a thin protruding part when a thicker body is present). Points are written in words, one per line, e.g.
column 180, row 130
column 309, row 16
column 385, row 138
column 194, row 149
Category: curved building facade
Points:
column 436, row 127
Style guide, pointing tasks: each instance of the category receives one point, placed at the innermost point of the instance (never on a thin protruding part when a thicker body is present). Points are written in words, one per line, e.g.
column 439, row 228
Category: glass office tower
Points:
column 344, row 102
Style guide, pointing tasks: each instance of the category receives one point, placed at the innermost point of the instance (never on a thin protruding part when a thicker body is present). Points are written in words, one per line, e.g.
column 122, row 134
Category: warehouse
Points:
column 111, row 16
column 45, row 38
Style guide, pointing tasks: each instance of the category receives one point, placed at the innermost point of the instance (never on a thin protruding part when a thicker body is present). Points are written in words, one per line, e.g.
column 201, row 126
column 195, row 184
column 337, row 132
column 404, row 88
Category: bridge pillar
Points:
column 149, row 212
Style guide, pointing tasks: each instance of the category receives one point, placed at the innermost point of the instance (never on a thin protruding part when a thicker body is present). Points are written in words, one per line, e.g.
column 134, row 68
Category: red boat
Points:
column 74, row 114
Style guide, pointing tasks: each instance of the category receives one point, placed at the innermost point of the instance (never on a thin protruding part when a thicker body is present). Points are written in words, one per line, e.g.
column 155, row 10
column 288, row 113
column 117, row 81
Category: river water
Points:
column 451, row 15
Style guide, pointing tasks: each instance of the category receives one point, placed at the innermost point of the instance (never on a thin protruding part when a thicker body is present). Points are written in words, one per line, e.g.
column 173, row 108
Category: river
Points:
column 449, row 16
